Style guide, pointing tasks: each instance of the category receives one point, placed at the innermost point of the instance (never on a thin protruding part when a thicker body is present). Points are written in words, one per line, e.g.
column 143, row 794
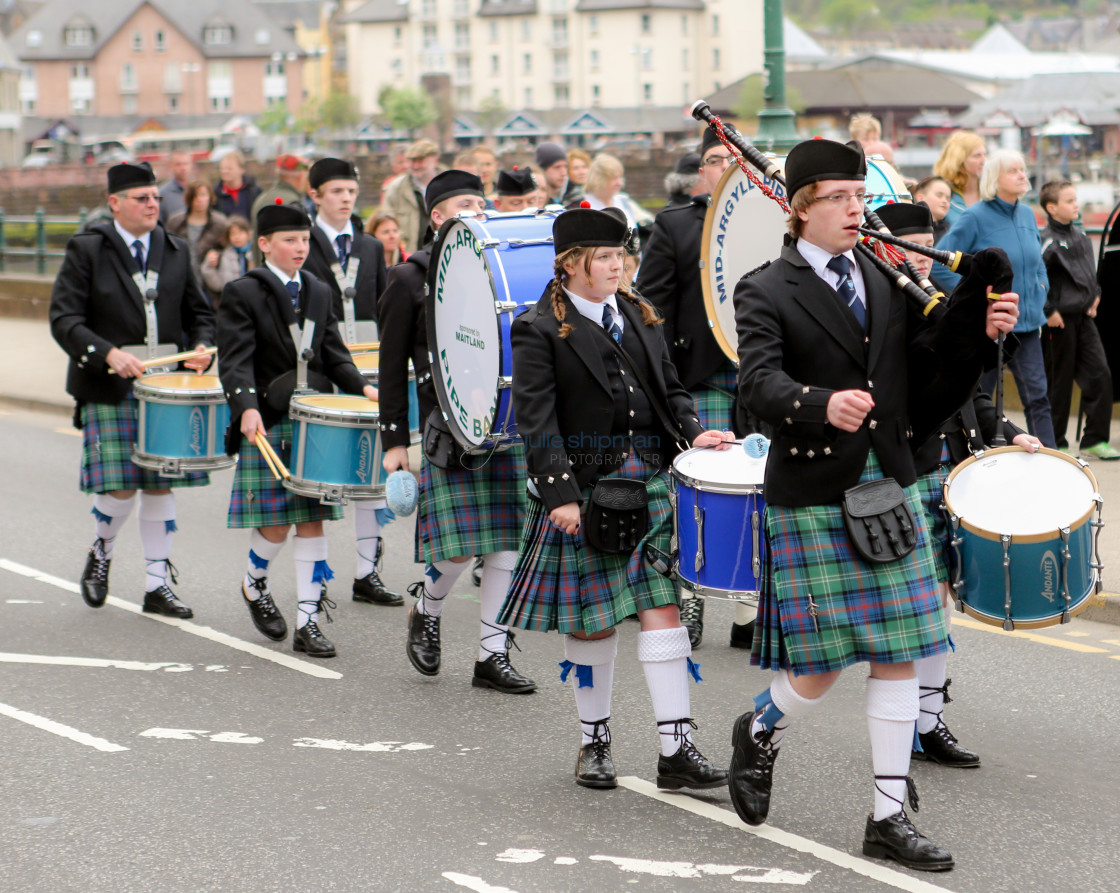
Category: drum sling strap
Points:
column 354, row 331
column 147, row 285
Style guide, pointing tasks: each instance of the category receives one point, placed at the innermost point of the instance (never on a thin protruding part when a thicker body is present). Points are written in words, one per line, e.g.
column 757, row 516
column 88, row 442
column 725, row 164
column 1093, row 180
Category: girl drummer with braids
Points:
column 588, row 419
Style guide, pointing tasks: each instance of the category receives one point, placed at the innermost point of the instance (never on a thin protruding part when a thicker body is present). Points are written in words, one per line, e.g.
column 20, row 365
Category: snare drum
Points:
column 367, row 363
column 182, row 424
column 1024, row 536
column 483, row 273
column 719, row 522
column 336, row 450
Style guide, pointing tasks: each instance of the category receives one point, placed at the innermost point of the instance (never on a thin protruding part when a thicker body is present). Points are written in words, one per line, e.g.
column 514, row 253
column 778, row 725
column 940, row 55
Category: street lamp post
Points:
column 776, row 121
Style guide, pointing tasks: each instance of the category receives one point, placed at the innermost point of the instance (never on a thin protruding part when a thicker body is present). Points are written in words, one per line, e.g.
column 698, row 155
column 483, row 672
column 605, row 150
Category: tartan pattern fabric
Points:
column 715, row 398
column 257, row 499
column 886, row 613
column 562, row 583
column 933, row 504
column 109, row 433
column 464, row 512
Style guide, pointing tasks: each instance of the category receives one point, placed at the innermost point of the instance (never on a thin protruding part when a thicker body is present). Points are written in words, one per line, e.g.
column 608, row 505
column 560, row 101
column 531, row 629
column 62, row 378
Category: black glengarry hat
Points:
column 817, row 159
column 449, row 184
column 130, row 176
column 281, row 218
column 519, row 181
column 904, row 219
column 326, row 169
column 584, row 228
column 689, row 163
column 711, row 139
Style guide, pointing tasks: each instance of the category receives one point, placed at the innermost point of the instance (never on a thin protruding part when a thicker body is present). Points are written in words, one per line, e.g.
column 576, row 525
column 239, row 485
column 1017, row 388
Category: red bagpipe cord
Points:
column 889, row 253
column 717, row 125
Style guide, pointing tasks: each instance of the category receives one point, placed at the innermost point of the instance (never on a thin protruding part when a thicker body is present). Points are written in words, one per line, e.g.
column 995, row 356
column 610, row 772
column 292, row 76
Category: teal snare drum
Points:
column 181, row 426
column 336, row 448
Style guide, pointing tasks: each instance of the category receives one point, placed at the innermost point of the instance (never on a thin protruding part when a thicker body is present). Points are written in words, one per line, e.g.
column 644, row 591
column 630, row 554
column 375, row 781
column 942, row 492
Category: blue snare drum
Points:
column 719, row 522
column 367, row 365
column 1024, row 536
column 336, row 448
column 483, row 273
column 182, row 424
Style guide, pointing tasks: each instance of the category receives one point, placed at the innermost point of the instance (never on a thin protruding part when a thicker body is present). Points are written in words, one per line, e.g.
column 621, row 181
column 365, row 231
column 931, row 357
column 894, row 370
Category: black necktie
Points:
column 293, row 290
column 343, row 243
column 842, row 267
column 612, row 327
column 138, row 253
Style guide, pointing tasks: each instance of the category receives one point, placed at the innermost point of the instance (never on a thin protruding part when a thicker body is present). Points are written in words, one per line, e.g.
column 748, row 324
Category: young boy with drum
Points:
column 462, row 511
column 352, row 264
column 829, row 357
column 270, row 323
column 582, row 358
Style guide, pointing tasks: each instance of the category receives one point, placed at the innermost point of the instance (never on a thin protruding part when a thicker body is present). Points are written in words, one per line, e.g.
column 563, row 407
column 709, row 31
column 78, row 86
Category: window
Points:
column 128, row 104
column 715, row 59
column 596, row 94
column 159, row 41
column 528, row 97
column 462, row 35
column 34, row 38
column 462, row 69
column 428, row 8
column 647, row 58
column 397, row 65
column 686, row 93
column 128, row 78
column 262, row 37
column 495, row 64
column 429, row 36
column 527, row 63
column 462, row 9
column 560, row 66
column 560, row 94
column 560, row 32
column 217, row 35
column 397, row 34
column 81, row 106
column 137, row 41
column 647, row 92
column 79, row 72
column 593, row 25
column 647, row 23
column 684, row 26
column 526, row 29
column 493, row 32
column 594, row 60
column 274, row 69
column 172, row 104
column 219, row 85
column 684, row 59
column 79, row 36
column 715, row 26
column 463, row 97
column 172, row 78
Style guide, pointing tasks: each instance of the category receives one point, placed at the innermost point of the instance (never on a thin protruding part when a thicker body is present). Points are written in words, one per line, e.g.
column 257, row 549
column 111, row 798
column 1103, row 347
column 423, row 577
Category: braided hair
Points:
column 572, row 256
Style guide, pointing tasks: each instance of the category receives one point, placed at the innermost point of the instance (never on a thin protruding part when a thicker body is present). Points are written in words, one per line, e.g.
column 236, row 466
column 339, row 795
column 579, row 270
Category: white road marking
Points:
column 21, row 601
column 372, row 747
column 474, row 883
column 9, row 658
column 519, row 857
column 57, row 728
column 564, row 860
column 690, row 870
column 970, row 623
column 868, row 869
column 203, row 632
column 174, row 734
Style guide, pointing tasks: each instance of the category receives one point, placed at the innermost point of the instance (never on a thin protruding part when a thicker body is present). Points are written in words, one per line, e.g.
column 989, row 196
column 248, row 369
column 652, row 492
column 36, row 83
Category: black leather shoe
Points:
column 940, row 746
column 688, row 768
column 311, row 641
column 497, row 673
column 895, row 837
column 266, row 616
column 164, row 601
column 692, row 619
column 594, row 767
column 372, row 590
column 422, row 647
column 95, row 579
column 752, row 771
column 742, row 635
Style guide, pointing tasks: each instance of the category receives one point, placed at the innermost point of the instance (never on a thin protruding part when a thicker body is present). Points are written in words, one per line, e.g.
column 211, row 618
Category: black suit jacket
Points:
column 971, row 429
column 96, row 306
column 799, row 343
column 402, row 324
column 371, row 269
column 562, row 396
column 256, row 348
column 670, row 278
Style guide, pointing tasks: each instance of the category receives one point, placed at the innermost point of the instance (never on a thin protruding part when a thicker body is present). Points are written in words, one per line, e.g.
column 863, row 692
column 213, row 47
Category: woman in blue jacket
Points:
column 1001, row 219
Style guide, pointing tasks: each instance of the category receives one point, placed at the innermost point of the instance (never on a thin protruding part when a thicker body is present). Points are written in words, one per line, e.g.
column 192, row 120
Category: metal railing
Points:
column 40, row 252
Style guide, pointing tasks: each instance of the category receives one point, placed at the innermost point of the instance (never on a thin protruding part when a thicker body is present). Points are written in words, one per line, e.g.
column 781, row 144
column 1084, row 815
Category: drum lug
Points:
column 698, row 515
column 958, row 572
column 1005, row 541
column 505, row 306
column 756, row 530
column 1098, row 525
column 1064, row 534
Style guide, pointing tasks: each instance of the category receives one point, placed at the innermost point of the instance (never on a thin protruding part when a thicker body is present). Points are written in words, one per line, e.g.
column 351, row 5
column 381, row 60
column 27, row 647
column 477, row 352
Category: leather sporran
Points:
column 439, row 446
column 879, row 522
column 617, row 515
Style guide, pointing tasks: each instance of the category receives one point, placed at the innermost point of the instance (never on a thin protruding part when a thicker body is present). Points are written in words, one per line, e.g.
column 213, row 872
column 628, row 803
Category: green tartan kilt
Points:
column 715, row 398
column 933, row 505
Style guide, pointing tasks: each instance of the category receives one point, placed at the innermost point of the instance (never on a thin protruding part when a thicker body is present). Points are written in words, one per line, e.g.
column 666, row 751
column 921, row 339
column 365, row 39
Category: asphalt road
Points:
column 146, row 755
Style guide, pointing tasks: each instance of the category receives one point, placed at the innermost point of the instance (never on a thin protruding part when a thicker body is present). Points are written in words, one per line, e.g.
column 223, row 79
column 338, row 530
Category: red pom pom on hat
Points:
column 278, row 201
column 585, row 204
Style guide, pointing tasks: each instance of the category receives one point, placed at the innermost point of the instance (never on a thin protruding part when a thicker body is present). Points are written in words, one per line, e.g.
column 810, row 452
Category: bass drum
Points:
column 743, row 229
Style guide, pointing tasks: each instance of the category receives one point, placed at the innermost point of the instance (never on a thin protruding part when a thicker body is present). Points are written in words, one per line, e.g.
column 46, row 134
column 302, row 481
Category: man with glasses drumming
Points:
column 670, row 279
column 126, row 292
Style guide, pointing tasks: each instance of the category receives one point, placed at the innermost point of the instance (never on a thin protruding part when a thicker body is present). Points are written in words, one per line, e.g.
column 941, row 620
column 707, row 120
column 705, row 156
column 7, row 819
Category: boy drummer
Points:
column 266, row 320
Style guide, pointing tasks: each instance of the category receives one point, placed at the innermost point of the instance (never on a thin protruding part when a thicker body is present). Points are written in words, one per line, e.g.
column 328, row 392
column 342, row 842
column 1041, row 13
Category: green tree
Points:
column 851, row 16
column 491, row 112
column 338, row 111
column 407, row 108
column 275, row 119
column 751, row 100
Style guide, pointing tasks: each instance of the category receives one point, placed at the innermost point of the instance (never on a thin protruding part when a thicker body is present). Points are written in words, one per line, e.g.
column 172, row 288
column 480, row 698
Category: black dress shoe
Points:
column 940, row 746
column 372, row 590
column 266, row 616
column 742, row 635
column 95, row 579
column 497, row 673
column 164, row 601
column 692, row 619
column 688, row 768
column 752, row 771
column 594, row 767
column 895, row 837
column 310, row 640
column 423, row 647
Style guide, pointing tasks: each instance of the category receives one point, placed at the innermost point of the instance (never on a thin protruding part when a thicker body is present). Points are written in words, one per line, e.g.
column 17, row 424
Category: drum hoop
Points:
column 156, row 394
column 703, row 486
column 731, row 351
column 326, row 415
column 1018, row 538
column 733, row 595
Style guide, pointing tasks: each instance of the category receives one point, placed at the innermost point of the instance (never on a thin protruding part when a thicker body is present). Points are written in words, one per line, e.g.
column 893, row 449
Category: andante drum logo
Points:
column 198, row 431
column 1048, row 569
column 365, row 457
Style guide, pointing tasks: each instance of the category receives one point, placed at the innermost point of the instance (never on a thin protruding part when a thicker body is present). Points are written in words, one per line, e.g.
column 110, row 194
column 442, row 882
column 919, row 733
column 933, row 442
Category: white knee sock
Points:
column 367, row 535
column 745, row 613
column 593, row 702
column 931, row 698
column 157, row 531
column 311, row 571
column 664, row 656
column 497, row 569
column 892, row 708
column 788, row 703
column 439, row 577
column 110, row 514
column 261, row 553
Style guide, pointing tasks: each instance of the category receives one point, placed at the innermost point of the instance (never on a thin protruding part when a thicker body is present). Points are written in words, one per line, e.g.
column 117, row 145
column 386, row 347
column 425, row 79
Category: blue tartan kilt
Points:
column 109, row 433
column 257, row 499
column 885, row 613
column 715, row 398
column 562, row 583
column 477, row 512
column 930, row 487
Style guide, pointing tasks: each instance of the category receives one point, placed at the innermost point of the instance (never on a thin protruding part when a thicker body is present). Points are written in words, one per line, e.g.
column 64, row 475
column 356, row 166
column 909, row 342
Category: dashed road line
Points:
column 970, row 623
column 57, row 728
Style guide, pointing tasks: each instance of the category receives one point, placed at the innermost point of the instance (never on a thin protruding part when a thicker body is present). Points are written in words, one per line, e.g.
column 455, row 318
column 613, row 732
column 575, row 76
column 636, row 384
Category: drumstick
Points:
column 174, row 358
column 274, row 462
column 363, row 346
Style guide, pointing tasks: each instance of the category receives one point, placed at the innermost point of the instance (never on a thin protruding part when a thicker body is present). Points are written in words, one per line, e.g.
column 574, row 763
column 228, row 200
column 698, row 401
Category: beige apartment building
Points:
column 548, row 54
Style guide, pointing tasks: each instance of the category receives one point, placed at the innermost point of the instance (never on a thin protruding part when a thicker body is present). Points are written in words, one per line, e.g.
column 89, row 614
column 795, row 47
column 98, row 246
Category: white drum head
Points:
column 730, row 470
column 1010, row 491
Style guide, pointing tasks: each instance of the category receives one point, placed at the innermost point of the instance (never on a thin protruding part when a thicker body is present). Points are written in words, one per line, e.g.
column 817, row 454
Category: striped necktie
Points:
column 846, row 288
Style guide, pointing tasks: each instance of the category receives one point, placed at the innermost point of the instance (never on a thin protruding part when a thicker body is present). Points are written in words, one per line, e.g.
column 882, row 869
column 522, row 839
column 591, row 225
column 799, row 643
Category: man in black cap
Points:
column 126, row 292
column 515, row 190
column 825, row 347
column 553, row 161
column 461, row 512
column 352, row 263
column 684, row 181
column 670, row 279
